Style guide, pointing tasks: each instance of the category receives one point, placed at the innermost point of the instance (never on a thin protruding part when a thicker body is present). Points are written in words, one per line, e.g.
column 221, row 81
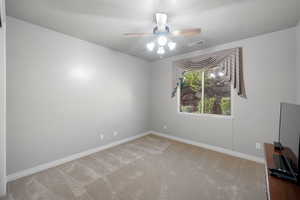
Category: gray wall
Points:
column 2, row 102
column 269, row 68
column 298, row 61
column 62, row 93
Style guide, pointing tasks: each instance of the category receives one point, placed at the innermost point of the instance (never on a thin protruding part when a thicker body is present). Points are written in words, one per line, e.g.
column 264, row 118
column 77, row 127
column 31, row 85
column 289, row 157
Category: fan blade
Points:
column 137, row 34
column 187, row 32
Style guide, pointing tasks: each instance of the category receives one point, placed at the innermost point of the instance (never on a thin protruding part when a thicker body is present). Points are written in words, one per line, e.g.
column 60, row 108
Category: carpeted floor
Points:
column 149, row 168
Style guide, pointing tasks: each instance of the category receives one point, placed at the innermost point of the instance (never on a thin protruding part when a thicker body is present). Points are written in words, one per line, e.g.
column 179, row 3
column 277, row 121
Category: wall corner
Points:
column 3, row 100
column 298, row 61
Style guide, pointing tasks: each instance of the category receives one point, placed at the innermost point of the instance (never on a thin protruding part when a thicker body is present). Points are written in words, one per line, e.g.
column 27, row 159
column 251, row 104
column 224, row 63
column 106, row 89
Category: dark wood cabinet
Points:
column 278, row 189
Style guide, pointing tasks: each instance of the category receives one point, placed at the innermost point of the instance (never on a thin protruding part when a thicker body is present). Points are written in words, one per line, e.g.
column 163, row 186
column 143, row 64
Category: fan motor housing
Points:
column 158, row 32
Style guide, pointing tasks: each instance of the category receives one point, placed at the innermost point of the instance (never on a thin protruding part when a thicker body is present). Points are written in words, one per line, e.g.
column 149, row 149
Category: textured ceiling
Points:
column 104, row 21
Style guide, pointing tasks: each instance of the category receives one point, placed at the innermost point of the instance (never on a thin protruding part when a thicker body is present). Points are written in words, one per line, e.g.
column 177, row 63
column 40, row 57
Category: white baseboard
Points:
column 39, row 168
column 2, row 188
column 211, row 147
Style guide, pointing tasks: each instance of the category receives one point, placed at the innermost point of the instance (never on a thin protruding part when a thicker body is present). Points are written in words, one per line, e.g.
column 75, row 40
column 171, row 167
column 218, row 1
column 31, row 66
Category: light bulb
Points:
column 172, row 45
column 160, row 51
column 150, row 46
column 162, row 40
column 221, row 74
column 212, row 75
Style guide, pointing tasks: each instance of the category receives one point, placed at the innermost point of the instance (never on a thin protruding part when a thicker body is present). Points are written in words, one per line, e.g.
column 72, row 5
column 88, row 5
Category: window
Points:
column 205, row 92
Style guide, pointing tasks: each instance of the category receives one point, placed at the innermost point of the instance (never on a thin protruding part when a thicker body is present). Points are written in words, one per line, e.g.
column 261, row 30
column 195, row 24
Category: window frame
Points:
column 231, row 116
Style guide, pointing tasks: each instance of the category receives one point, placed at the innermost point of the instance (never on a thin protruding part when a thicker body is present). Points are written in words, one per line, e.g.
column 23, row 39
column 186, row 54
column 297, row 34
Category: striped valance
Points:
column 229, row 61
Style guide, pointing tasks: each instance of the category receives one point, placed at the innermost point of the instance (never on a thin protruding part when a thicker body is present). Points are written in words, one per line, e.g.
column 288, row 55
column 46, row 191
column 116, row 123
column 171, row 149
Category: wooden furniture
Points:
column 278, row 189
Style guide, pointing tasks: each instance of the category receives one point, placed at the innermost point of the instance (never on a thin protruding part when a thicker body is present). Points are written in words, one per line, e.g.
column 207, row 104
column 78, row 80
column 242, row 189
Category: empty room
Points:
column 150, row 100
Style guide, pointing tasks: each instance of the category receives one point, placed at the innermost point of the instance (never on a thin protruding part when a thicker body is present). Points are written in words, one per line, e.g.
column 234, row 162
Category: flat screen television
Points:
column 289, row 133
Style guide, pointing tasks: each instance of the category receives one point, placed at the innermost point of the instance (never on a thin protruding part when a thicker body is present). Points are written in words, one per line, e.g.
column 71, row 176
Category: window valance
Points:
column 228, row 61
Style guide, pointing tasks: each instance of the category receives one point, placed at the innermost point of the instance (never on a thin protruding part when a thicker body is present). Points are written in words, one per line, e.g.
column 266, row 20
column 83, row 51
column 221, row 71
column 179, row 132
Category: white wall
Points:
column 298, row 61
column 2, row 101
column 62, row 93
column 269, row 69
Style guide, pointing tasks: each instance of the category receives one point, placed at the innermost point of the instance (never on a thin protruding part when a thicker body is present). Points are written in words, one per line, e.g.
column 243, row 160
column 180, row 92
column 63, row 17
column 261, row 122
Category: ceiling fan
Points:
column 162, row 30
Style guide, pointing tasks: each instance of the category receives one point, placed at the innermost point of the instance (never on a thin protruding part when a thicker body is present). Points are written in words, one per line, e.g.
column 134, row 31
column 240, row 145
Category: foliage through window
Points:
column 205, row 92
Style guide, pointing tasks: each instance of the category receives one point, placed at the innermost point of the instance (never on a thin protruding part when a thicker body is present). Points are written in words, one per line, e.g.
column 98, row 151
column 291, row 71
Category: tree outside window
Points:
column 205, row 92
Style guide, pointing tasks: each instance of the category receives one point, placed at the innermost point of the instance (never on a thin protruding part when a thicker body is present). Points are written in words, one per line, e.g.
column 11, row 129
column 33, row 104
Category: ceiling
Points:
column 104, row 21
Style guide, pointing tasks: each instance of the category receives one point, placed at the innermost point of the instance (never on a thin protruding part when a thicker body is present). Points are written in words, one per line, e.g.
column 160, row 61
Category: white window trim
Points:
column 201, row 115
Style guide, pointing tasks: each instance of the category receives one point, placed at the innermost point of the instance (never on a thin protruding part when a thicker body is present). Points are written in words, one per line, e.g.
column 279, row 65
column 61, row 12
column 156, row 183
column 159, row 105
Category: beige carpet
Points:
column 150, row 168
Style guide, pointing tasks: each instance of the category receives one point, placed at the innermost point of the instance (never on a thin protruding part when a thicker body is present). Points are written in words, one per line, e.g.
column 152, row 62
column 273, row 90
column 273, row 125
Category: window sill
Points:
column 207, row 115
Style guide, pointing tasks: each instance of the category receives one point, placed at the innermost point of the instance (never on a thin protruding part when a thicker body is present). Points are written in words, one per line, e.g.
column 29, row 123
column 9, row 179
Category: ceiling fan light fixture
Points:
column 162, row 40
column 161, row 50
column 172, row 45
column 150, row 46
column 161, row 20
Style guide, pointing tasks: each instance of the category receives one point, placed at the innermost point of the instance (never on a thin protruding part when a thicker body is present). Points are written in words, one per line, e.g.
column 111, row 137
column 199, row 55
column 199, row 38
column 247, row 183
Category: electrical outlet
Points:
column 101, row 136
column 165, row 127
column 258, row 146
column 115, row 133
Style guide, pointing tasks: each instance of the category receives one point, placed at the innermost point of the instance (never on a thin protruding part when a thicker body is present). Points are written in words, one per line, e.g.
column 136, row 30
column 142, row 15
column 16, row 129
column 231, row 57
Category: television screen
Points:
column 289, row 132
